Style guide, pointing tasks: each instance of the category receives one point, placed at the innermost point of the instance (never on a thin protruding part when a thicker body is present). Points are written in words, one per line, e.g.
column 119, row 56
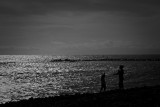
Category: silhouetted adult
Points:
column 103, row 83
column 120, row 73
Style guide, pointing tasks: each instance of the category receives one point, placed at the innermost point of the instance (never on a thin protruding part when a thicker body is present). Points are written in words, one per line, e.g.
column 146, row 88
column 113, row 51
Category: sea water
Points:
column 35, row 76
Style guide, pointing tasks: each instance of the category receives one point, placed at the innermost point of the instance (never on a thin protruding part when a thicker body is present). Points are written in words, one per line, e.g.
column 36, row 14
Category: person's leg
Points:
column 105, row 88
column 101, row 89
column 121, row 85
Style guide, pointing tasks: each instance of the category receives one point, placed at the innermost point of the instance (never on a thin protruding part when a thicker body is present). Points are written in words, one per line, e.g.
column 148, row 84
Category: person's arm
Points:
column 116, row 73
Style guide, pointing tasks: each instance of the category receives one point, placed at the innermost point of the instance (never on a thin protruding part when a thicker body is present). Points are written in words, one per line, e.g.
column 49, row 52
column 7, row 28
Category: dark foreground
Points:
column 136, row 97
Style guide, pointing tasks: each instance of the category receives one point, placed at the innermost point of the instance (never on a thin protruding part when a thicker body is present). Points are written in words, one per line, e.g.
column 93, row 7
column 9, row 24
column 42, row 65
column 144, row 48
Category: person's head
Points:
column 103, row 73
column 121, row 67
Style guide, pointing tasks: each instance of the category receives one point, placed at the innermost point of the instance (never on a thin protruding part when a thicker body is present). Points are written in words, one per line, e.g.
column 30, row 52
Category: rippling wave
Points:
column 26, row 76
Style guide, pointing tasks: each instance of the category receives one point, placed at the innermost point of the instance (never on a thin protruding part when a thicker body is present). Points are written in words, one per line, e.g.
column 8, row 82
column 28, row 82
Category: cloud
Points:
column 28, row 7
column 17, row 50
column 73, row 23
column 90, row 47
column 104, row 45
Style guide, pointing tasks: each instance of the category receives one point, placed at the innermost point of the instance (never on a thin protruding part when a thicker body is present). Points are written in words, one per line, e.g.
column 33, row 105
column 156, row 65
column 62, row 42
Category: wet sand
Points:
column 148, row 96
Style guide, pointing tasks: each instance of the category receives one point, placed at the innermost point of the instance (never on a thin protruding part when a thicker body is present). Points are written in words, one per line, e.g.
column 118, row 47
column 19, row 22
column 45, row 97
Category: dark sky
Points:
column 69, row 27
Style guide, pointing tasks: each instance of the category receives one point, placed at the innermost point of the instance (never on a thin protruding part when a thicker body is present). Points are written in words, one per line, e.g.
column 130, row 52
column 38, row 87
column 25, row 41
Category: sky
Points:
column 79, row 27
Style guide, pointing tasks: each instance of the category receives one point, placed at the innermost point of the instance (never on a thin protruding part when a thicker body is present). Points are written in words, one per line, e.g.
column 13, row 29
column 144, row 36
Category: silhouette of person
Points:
column 120, row 73
column 103, row 83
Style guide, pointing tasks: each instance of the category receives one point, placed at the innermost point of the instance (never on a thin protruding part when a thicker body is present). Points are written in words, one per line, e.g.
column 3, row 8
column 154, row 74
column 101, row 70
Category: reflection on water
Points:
column 34, row 76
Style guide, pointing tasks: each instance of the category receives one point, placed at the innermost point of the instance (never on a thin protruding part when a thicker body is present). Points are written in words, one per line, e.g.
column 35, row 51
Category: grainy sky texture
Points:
column 79, row 27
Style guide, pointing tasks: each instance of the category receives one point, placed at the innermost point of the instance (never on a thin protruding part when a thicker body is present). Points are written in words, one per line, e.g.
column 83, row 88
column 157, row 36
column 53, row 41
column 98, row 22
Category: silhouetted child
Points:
column 120, row 73
column 103, row 83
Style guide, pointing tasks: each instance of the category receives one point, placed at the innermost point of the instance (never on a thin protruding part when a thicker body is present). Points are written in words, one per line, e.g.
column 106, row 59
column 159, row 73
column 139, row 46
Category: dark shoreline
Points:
column 148, row 96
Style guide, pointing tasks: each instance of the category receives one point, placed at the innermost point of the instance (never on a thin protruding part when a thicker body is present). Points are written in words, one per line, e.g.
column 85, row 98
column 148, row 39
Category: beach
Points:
column 147, row 96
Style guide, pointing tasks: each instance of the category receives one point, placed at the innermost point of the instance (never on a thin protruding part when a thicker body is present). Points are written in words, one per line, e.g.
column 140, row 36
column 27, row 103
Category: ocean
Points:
column 35, row 76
